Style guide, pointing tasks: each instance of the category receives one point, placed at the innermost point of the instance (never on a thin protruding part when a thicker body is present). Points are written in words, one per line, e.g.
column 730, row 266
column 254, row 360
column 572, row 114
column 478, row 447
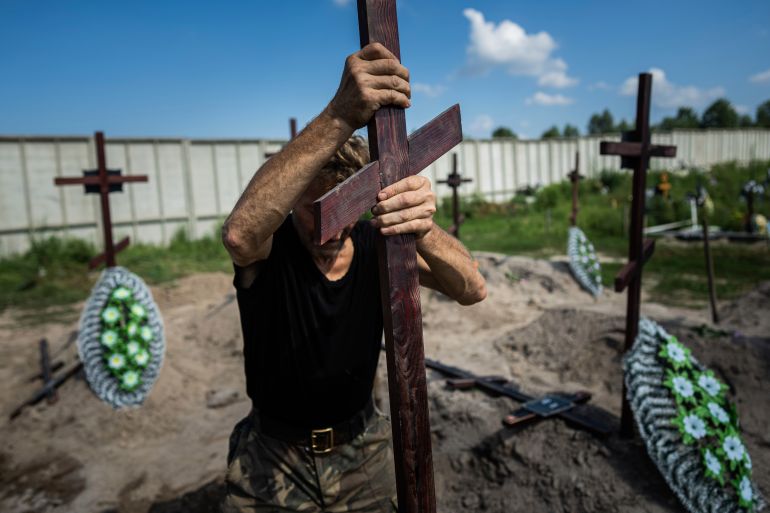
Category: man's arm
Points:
column 408, row 206
column 372, row 77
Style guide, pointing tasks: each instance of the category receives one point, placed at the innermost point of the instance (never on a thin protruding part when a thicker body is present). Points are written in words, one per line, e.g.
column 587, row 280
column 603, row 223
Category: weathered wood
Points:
column 635, row 152
column 293, row 127
column 46, row 370
column 632, row 269
column 45, row 390
column 357, row 194
column 103, row 182
column 101, row 257
column 455, row 180
column 709, row 269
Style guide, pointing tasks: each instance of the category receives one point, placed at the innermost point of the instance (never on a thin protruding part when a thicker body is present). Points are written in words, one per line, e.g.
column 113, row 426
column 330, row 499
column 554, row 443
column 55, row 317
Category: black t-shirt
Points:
column 311, row 345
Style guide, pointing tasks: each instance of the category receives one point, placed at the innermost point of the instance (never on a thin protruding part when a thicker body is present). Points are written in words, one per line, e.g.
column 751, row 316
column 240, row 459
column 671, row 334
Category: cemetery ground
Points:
column 537, row 328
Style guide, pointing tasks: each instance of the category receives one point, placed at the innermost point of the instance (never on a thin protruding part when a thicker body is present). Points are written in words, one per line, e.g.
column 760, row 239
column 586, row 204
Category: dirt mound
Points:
column 537, row 328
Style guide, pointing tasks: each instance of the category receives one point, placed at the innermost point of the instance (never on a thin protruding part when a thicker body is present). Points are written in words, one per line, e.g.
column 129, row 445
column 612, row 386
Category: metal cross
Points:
column 455, row 180
column 575, row 177
column 292, row 133
column 103, row 181
column 635, row 151
column 394, row 157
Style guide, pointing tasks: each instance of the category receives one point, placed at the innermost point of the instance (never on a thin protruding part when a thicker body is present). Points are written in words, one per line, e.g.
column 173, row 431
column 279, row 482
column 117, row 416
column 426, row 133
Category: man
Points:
column 311, row 314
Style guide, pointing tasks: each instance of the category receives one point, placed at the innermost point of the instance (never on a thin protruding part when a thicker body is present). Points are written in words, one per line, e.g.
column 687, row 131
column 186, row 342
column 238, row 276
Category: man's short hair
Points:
column 352, row 156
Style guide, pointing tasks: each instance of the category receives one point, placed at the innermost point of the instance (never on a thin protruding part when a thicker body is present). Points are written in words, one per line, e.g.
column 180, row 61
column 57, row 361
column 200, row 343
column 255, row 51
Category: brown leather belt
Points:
column 319, row 440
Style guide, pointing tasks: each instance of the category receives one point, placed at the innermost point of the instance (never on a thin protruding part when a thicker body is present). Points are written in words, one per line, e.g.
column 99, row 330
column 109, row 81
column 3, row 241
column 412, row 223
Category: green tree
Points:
column 503, row 131
column 551, row 133
column 623, row 126
column 763, row 115
column 570, row 131
column 685, row 118
column 720, row 114
column 745, row 121
column 601, row 123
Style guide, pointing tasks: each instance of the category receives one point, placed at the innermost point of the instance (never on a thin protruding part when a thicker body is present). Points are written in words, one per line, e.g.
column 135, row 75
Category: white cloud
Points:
column 541, row 98
column 481, row 126
column 508, row 45
column 669, row 95
column 431, row 91
column 742, row 109
column 760, row 78
column 341, row 3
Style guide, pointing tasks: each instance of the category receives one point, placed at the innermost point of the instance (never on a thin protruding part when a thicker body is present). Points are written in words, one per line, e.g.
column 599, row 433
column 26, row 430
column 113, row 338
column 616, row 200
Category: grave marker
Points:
column 455, row 180
column 394, row 157
column 635, row 151
column 103, row 181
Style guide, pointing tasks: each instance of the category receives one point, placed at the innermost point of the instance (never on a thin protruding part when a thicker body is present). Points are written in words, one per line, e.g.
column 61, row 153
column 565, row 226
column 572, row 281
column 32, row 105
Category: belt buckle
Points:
column 322, row 440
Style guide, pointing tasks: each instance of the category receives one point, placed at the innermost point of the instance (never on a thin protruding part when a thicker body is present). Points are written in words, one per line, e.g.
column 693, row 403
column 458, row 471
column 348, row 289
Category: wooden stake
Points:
column 455, row 180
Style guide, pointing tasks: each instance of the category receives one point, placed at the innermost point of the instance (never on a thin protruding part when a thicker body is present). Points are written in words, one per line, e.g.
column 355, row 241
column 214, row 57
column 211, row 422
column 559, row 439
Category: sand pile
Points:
column 536, row 328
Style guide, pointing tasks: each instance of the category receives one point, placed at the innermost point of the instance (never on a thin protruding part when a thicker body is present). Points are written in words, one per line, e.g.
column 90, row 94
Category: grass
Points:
column 53, row 272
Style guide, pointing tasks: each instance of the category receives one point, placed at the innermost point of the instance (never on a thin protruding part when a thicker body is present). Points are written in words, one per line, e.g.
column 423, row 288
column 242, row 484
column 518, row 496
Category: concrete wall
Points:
column 194, row 183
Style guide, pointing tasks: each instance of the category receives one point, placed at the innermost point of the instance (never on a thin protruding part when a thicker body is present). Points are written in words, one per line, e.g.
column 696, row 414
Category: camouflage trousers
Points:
column 266, row 475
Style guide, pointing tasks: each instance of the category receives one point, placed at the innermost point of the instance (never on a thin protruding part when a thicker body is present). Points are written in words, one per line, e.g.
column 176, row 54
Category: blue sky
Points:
column 241, row 69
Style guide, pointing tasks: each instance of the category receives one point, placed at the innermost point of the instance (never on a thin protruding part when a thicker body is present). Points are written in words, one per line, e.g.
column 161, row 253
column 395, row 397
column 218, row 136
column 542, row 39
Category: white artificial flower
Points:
column 590, row 247
column 117, row 361
column 141, row 358
column 130, row 379
column 747, row 461
column 121, row 293
column 146, row 333
column 132, row 328
column 111, row 315
column 109, row 338
column 694, row 426
column 712, row 462
column 718, row 412
column 596, row 265
column 584, row 259
column 132, row 348
column 747, row 494
column 710, row 384
column 138, row 310
column 682, row 386
column 733, row 448
column 675, row 352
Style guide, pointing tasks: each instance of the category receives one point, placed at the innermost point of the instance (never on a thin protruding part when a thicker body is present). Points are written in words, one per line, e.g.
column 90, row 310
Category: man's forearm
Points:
column 452, row 268
column 277, row 185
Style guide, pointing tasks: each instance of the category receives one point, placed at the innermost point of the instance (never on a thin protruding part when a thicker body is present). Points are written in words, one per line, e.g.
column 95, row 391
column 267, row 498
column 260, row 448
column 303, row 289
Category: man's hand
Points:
column 406, row 206
column 372, row 78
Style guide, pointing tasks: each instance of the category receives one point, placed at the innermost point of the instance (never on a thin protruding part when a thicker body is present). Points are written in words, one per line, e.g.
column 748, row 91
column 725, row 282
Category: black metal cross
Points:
column 635, row 151
column 455, row 180
column 103, row 181
column 394, row 157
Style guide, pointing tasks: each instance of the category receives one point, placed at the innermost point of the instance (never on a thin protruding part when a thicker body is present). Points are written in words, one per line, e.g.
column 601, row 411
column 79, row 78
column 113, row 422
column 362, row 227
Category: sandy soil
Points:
column 536, row 328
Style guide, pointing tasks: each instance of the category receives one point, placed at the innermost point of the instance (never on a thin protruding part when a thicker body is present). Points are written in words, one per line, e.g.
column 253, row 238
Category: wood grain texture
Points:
column 346, row 202
column 434, row 139
column 400, row 289
column 101, row 257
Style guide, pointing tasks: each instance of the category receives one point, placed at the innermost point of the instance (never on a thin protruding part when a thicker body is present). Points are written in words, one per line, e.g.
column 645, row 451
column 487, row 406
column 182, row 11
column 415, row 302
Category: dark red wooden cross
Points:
column 455, row 180
column 103, row 181
column 394, row 157
column 635, row 151
column 575, row 177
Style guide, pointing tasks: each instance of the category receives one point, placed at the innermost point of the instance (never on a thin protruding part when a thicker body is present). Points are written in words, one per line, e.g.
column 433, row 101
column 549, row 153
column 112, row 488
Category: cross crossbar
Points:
column 345, row 203
column 632, row 269
column 636, row 149
column 455, row 180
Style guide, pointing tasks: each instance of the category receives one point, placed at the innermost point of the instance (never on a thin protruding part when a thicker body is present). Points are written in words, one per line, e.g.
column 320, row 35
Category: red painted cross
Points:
column 103, row 181
column 394, row 157
column 455, row 180
column 636, row 150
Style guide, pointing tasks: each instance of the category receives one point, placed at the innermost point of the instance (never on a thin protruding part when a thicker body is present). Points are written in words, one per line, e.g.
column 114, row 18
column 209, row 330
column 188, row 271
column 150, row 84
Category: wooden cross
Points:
column 103, row 181
column 701, row 198
column 455, row 180
column 292, row 133
column 635, row 151
column 575, row 177
column 394, row 157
